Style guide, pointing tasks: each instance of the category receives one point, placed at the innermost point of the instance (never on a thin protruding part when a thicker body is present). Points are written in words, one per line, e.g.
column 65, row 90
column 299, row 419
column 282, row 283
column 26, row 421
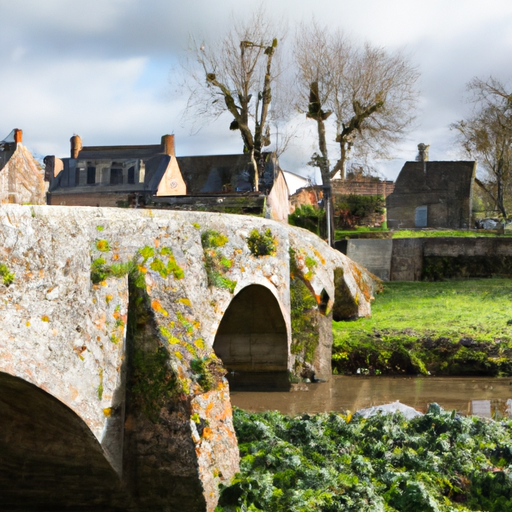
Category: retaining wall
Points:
column 413, row 259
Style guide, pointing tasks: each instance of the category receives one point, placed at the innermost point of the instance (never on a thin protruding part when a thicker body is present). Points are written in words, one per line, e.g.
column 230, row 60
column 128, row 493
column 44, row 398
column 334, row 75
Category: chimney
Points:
column 76, row 146
column 18, row 135
column 422, row 152
column 168, row 144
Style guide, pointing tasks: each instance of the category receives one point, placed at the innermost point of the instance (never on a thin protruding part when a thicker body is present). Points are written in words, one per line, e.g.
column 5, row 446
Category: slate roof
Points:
column 212, row 174
column 426, row 177
column 119, row 152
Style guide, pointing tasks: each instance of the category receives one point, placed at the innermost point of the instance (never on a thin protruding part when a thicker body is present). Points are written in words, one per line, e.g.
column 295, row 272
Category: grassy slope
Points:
column 416, row 328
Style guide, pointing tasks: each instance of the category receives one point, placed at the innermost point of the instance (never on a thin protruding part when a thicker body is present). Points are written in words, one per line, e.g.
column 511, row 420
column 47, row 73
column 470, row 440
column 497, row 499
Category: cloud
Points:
column 101, row 68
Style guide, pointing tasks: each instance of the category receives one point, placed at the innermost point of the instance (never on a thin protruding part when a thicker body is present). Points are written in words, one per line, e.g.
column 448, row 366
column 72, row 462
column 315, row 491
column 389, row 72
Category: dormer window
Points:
column 116, row 176
column 131, row 175
column 91, row 175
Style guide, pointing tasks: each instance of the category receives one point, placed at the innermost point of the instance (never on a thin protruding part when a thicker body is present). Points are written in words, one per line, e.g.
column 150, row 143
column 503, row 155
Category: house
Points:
column 152, row 176
column 432, row 194
column 113, row 175
column 21, row 178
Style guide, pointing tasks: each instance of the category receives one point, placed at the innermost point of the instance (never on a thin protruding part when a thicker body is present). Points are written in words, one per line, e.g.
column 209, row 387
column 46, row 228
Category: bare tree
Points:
column 369, row 92
column 486, row 135
column 236, row 74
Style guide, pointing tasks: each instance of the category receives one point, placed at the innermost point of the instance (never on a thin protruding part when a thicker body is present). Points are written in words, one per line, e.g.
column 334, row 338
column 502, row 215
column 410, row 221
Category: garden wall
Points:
column 414, row 259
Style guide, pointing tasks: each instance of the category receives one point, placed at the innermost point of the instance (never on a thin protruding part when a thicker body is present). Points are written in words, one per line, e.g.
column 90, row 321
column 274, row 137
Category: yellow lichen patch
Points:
column 142, row 268
column 115, row 257
column 27, row 323
column 178, row 355
column 107, row 412
column 207, row 433
column 155, row 304
column 103, row 245
column 319, row 256
column 45, row 318
column 108, row 298
column 185, row 301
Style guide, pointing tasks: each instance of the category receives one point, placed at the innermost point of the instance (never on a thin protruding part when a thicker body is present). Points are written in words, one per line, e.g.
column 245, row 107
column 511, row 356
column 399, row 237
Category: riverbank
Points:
column 460, row 327
column 334, row 462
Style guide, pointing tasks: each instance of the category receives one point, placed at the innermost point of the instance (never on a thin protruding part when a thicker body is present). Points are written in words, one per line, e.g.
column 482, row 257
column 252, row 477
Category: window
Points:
column 77, row 176
column 131, row 175
column 116, row 176
column 420, row 217
column 91, row 175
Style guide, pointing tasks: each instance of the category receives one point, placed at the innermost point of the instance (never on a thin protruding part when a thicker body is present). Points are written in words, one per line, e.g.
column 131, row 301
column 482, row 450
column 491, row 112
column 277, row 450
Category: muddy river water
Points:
column 483, row 396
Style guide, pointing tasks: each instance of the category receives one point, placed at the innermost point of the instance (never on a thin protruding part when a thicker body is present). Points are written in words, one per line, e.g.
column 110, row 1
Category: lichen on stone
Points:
column 6, row 275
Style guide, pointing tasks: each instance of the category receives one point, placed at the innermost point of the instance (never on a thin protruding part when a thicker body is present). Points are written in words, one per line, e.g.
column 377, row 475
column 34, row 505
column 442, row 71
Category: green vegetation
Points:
column 215, row 263
column 445, row 328
column 154, row 381
column 304, row 317
column 439, row 462
column 366, row 232
column 352, row 209
column 212, row 239
column 101, row 271
column 261, row 244
column 437, row 268
column 99, row 391
column 308, row 217
column 203, row 375
column 6, row 275
column 426, row 233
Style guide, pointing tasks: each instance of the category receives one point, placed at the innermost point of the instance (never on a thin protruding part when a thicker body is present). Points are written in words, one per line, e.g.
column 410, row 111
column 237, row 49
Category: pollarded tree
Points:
column 486, row 135
column 235, row 74
column 369, row 92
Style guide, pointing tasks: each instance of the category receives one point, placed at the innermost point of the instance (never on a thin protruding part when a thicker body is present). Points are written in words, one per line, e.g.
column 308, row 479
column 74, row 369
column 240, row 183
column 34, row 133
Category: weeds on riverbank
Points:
column 439, row 462
column 443, row 328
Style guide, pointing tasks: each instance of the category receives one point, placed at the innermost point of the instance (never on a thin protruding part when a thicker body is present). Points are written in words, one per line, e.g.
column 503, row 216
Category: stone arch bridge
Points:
column 118, row 327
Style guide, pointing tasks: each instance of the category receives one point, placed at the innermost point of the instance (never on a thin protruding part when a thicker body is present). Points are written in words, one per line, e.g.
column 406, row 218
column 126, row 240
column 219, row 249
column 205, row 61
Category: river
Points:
column 482, row 396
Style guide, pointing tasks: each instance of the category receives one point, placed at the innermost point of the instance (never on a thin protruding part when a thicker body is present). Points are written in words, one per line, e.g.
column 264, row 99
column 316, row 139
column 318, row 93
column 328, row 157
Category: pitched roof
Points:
column 223, row 173
column 431, row 176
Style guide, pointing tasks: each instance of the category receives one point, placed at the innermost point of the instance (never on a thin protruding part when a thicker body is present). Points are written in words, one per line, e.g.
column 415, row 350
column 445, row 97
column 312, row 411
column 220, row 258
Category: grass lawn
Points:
column 445, row 328
column 405, row 233
column 422, row 233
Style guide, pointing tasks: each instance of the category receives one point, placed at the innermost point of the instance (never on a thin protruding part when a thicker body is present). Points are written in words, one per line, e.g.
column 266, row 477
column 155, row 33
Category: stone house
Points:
column 153, row 176
column 432, row 195
column 21, row 178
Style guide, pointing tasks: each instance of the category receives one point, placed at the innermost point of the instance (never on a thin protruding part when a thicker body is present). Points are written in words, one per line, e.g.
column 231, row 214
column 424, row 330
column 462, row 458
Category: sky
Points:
column 104, row 69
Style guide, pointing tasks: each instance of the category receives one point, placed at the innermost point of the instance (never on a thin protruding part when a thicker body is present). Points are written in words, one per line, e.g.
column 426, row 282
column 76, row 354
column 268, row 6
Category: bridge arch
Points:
column 252, row 340
column 50, row 458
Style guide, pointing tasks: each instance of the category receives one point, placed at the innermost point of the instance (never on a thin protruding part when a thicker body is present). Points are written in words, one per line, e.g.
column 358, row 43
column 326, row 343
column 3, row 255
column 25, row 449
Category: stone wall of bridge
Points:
column 113, row 322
